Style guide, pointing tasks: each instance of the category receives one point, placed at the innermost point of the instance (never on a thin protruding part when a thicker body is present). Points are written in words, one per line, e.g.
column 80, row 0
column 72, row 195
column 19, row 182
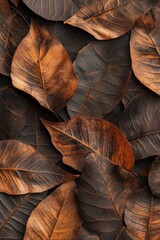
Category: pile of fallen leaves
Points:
column 80, row 119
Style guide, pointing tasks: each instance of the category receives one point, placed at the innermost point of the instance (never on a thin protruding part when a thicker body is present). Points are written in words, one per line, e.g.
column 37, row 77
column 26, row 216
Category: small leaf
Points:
column 142, row 216
column 56, row 217
column 107, row 19
column 82, row 135
column 103, row 189
column 24, row 170
column 145, row 50
column 15, row 211
column 42, row 68
column 102, row 69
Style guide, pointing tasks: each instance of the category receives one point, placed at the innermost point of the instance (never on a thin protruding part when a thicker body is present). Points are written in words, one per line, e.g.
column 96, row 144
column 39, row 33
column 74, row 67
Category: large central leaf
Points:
column 81, row 135
column 42, row 68
column 107, row 19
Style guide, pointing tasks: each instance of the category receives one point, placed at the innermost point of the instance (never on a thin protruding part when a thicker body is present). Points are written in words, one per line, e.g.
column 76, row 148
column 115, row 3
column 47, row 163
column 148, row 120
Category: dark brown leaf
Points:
column 103, row 69
column 42, row 68
column 55, row 10
column 103, row 189
column 24, row 170
column 145, row 50
column 140, row 123
column 56, row 217
column 107, row 19
column 142, row 216
column 35, row 134
column 82, row 135
column 14, row 110
column 13, row 29
column 154, row 177
column 133, row 89
column 14, row 213
column 86, row 235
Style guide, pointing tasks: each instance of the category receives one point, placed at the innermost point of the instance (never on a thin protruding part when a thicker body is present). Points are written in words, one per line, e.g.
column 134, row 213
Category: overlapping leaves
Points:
column 79, row 120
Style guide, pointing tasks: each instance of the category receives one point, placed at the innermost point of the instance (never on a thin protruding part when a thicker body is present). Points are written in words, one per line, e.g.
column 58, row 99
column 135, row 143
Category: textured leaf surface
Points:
column 142, row 216
column 42, row 68
column 14, row 28
column 24, row 170
column 154, row 177
column 103, row 189
column 133, row 89
column 56, row 217
column 107, row 19
column 14, row 213
column 102, row 69
column 140, row 123
column 145, row 50
column 82, row 135
column 55, row 10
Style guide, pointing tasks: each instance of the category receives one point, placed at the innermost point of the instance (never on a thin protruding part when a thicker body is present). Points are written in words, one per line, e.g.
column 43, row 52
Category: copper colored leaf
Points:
column 81, row 135
column 14, row 28
column 56, row 217
column 103, row 189
column 102, row 69
column 24, row 170
column 154, row 177
column 14, row 213
column 145, row 50
column 140, row 123
column 142, row 216
column 42, row 68
column 55, row 10
column 108, row 19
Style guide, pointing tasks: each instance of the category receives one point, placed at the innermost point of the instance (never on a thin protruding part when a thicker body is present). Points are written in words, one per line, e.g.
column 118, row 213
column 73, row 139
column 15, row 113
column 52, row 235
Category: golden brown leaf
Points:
column 42, row 68
column 24, row 170
column 56, row 217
